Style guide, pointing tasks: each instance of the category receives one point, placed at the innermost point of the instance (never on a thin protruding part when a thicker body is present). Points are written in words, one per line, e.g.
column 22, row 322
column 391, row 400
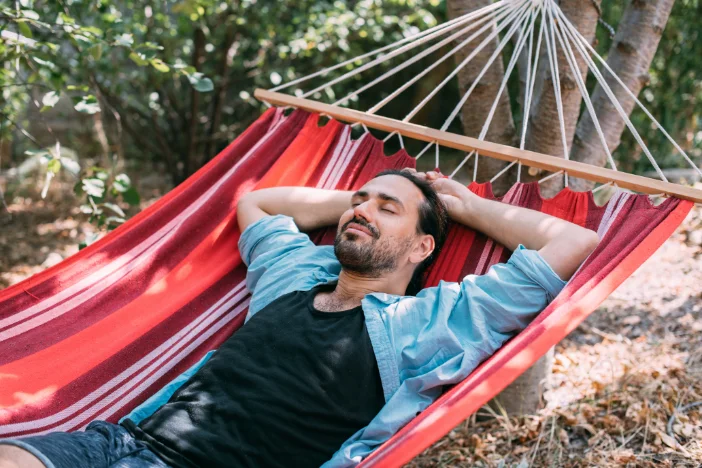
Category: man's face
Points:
column 379, row 231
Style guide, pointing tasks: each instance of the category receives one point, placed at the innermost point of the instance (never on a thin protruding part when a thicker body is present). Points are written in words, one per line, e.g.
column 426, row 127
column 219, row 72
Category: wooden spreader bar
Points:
column 485, row 148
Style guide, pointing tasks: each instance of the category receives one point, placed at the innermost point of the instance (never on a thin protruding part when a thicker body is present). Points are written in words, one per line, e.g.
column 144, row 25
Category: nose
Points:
column 362, row 211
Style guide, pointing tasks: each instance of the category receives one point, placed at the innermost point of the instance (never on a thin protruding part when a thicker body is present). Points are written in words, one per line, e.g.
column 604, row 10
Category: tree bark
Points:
column 543, row 135
column 477, row 107
column 630, row 57
column 524, row 395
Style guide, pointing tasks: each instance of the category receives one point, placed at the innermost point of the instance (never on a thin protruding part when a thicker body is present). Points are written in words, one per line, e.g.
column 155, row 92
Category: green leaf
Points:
column 83, row 88
column 200, row 82
column 122, row 183
column 63, row 18
column 87, row 104
column 139, row 58
column 54, row 166
column 94, row 187
column 131, row 196
column 45, row 63
column 82, row 40
column 160, row 66
column 89, row 239
column 31, row 14
column 37, row 152
column 115, row 208
column 50, row 99
column 149, row 46
column 96, row 51
column 92, row 30
column 114, row 220
column 70, row 165
column 125, row 40
column 24, row 29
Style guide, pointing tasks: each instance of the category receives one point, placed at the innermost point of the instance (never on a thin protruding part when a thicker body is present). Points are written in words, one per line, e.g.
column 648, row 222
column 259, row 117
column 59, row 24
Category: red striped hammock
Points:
column 94, row 336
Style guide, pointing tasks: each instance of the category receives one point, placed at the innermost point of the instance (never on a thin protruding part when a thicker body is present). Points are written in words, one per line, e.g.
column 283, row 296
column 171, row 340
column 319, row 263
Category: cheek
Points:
column 398, row 227
column 345, row 218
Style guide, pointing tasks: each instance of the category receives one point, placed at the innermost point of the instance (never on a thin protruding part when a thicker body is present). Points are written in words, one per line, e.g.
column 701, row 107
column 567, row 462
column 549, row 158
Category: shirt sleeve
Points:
column 507, row 298
column 471, row 319
column 510, row 295
column 266, row 242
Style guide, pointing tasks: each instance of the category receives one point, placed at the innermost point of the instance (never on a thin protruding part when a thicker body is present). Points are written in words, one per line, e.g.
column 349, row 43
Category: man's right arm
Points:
column 310, row 208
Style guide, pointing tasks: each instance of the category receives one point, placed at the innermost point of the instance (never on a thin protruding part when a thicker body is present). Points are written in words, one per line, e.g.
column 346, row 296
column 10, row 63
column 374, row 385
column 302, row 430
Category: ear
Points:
column 423, row 247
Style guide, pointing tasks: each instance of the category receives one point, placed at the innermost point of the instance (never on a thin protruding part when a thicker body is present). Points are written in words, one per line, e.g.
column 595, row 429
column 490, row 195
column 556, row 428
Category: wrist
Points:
column 469, row 207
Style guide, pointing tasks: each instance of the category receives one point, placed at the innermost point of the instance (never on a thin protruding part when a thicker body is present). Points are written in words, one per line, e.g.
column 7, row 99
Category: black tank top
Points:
column 286, row 390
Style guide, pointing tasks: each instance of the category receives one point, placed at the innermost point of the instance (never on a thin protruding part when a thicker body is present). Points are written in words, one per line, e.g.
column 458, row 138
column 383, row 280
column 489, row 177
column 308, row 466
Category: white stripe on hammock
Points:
column 188, row 332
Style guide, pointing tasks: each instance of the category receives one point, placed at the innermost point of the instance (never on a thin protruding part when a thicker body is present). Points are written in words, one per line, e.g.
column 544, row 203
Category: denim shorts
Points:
column 102, row 444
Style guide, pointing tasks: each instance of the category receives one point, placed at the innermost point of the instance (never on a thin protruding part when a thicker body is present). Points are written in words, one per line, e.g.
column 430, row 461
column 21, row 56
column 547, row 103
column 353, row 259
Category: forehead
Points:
column 396, row 186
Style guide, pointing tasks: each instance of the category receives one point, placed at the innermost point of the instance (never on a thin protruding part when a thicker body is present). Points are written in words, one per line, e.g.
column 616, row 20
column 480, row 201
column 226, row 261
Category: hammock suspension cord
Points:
column 503, row 18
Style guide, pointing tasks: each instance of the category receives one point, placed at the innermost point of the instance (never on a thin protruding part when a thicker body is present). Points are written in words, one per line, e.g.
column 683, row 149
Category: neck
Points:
column 352, row 287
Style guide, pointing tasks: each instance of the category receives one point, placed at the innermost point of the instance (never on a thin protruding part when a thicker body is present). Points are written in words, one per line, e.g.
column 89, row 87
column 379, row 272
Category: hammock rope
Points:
column 583, row 42
column 402, row 50
column 520, row 13
column 420, row 56
column 608, row 91
column 372, row 53
column 502, row 20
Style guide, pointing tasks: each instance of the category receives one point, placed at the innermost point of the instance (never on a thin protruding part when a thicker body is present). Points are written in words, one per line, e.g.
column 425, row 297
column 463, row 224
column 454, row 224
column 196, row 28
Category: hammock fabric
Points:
column 94, row 336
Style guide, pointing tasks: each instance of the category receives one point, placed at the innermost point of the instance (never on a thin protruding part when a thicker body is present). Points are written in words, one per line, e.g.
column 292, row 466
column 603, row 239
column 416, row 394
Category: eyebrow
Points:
column 381, row 195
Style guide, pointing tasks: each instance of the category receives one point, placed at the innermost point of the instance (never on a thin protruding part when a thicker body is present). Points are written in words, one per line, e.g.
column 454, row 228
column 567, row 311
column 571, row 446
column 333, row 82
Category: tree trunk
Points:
column 477, row 107
column 544, row 134
column 630, row 57
column 524, row 395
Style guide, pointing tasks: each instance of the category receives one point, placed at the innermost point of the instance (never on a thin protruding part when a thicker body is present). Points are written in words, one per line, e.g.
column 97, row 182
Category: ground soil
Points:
column 618, row 379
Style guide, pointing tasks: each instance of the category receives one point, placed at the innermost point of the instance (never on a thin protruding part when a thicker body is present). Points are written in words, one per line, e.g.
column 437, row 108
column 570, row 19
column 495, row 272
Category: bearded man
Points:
column 340, row 348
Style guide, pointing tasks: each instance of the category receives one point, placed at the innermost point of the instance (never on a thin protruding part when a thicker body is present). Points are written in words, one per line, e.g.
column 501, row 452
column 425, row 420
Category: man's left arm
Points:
column 562, row 244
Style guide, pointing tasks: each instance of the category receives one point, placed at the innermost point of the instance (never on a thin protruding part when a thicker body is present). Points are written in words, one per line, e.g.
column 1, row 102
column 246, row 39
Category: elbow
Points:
column 588, row 242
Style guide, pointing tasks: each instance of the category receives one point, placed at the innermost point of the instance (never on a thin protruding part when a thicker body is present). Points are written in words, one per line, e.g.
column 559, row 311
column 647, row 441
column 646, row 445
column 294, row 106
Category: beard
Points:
column 369, row 258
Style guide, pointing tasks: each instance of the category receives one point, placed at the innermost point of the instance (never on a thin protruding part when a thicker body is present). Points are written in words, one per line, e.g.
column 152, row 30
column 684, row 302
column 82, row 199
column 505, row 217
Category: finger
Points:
column 410, row 170
column 443, row 185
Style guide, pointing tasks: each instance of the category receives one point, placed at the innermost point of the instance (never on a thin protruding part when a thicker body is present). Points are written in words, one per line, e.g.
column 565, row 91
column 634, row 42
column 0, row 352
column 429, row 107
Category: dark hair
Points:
column 433, row 220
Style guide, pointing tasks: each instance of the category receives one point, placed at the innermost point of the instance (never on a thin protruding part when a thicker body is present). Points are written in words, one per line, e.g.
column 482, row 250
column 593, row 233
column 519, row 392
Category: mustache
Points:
column 363, row 223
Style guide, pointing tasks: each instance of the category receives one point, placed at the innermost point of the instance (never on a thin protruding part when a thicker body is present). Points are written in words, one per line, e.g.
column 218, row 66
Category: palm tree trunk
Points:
column 630, row 57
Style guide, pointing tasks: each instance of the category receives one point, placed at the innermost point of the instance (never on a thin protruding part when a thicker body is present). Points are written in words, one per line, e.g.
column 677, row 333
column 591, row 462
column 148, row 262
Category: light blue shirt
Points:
column 421, row 343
